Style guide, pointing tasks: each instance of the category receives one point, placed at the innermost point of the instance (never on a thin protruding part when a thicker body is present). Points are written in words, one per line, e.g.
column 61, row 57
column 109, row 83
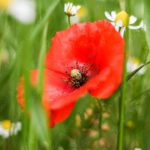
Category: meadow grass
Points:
column 26, row 46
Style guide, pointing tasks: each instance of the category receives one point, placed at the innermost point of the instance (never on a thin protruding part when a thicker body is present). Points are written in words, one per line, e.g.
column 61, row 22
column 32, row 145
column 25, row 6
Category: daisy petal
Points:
column 65, row 7
column 143, row 25
column 108, row 16
column 132, row 19
column 113, row 15
column 122, row 31
column 117, row 28
column 135, row 27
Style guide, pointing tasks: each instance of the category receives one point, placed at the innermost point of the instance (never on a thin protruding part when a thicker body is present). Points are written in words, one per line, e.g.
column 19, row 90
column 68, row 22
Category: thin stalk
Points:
column 122, row 110
column 69, row 21
column 121, row 131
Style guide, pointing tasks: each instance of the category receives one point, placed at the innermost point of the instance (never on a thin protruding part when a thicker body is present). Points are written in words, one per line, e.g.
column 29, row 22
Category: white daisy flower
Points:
column 133, row 64
column 122, row 20
column 70, row 9
column 8, row 128
column 22, row 10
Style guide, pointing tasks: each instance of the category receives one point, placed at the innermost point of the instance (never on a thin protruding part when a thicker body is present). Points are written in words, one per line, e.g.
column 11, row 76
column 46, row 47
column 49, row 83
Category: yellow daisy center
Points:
column 135, row 61
column 124, row 17
column 5, row 4
column 6, row 124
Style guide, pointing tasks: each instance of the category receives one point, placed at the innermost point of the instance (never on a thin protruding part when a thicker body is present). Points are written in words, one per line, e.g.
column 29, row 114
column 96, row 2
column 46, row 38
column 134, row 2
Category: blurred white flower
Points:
column 137, row 149
column 4, row 56
column 133, row 64
column 122, row 20
column 70, row 9
column 8, row 128
column 22, row 10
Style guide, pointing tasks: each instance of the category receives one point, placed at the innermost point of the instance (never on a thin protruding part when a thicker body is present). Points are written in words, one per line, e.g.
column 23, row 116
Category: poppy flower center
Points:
column 77, row 78
column 75, row 73
column 78, row 74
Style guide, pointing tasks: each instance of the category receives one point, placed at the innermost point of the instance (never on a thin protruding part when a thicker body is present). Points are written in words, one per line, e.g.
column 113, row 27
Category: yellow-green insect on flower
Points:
column 8, row 128
column 22, row 10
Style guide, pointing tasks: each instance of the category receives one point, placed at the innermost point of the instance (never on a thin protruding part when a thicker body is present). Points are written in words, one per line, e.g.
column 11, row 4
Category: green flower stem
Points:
column 120, row 143
column 69, row 21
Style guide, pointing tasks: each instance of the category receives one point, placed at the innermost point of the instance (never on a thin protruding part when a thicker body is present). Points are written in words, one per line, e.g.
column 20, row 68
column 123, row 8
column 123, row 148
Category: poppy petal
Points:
column 96, row 50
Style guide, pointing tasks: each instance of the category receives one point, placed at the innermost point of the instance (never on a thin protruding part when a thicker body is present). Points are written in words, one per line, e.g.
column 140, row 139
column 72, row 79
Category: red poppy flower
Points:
column 87, row 57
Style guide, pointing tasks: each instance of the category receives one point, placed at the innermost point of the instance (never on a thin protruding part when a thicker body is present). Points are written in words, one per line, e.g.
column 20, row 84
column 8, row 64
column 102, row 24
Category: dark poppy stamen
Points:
column 79, row 74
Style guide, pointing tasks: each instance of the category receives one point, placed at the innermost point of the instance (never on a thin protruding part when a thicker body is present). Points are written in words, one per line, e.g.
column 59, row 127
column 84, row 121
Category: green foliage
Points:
column 26, row 46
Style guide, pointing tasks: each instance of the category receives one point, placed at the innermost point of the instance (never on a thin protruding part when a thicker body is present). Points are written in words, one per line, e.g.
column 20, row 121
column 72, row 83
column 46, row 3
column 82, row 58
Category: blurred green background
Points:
column 22, row 48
